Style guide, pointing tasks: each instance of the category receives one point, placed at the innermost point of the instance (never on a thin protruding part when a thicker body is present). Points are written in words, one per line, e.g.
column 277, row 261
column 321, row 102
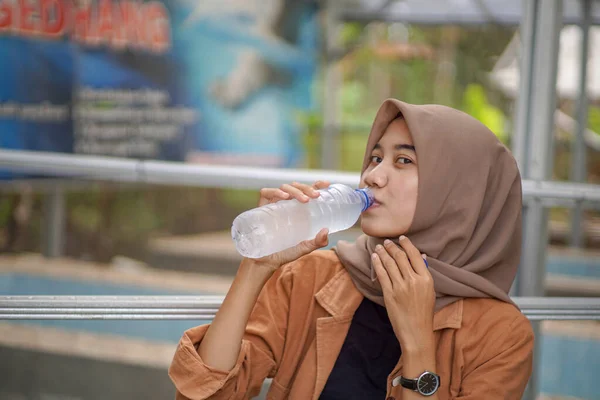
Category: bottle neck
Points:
column 366, row 197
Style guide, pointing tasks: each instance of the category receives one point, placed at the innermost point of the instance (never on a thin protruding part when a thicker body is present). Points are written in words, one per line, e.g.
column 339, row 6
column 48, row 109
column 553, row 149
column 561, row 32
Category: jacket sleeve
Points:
column 506, row 373
column 260, row 353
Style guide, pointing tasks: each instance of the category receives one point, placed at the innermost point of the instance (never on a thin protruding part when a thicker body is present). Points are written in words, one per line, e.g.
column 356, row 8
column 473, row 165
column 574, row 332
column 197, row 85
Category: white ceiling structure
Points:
column 463, row 12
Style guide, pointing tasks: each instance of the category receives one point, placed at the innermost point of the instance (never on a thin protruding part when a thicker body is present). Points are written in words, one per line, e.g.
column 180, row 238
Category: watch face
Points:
column 428, row 384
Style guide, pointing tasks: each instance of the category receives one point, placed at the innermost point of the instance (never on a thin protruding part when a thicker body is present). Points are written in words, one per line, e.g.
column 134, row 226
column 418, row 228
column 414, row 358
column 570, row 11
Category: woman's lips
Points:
column 374, row 205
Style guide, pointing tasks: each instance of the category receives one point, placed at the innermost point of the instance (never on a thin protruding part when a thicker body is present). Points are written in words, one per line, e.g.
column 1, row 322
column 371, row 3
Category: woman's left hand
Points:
column 408, row 292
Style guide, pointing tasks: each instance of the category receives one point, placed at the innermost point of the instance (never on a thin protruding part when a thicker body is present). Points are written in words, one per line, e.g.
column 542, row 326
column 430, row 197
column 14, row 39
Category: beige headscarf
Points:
column 468, row 215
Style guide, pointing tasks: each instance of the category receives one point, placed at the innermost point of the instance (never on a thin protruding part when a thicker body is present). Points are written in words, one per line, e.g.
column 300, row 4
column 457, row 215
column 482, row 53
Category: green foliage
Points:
column 311, row 143
column 352, row 151
column 5, row 209
column 475, row 103
column 85, row 217
column 240, row 199
column 412, row 80
column 354, row 109
column 84, row 213
column 594, row 119
column 135, row 209
column 350, row 33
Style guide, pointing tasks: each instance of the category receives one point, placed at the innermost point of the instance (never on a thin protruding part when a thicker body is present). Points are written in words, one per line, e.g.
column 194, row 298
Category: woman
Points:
column 417, row 306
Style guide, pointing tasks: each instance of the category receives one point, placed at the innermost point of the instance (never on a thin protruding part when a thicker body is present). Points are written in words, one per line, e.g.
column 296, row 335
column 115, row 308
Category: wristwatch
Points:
column 426, row 384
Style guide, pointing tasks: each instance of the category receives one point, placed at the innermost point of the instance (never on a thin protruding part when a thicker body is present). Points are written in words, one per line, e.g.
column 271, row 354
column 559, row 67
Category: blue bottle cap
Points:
column 368, row 196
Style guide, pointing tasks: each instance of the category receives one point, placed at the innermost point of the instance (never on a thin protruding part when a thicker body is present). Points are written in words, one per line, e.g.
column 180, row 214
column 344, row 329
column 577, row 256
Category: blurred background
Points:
column 280, row 84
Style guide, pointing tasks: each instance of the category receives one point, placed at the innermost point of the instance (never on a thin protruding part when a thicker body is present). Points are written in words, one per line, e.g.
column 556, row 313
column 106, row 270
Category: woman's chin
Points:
column 372, row 230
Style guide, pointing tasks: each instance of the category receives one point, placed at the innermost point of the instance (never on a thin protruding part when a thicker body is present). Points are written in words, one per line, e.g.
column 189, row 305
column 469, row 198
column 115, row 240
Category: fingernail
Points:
column 387, row 242
column 378, row 247
column 374, row 256
column 402, row 237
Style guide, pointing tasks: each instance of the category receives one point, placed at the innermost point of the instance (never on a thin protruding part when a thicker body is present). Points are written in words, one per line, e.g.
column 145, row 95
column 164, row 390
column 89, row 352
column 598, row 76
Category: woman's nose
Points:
column 376, row 177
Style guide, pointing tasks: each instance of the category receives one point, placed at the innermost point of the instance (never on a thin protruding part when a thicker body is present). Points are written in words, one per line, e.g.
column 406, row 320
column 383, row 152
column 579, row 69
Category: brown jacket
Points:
column 298, row 326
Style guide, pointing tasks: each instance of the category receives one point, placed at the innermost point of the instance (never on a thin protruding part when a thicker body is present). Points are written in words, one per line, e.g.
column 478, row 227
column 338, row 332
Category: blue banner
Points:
column 178, row 80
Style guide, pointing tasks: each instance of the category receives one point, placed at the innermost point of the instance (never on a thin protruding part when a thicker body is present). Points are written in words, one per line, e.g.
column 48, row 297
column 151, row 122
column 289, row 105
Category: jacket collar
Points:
column 340, row 298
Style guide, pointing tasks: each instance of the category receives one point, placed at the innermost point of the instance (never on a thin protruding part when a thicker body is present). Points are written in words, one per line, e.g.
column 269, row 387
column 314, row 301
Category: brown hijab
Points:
column 468, row 215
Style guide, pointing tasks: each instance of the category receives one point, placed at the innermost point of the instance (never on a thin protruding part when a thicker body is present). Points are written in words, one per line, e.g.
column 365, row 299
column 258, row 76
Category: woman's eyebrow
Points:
column 398, row 147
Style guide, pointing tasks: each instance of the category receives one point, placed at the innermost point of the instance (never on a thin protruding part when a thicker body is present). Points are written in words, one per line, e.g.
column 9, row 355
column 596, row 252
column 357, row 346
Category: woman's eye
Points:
column 404, row 160
column 376, row 159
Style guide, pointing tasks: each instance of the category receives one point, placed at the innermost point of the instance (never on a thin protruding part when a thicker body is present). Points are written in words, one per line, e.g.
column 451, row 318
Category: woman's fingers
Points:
column 301, row 249
column 400, row 257
column 321, row 185
column 299, row 191
column 295, row 192
column 308, row 190
column 389, row 264
column 279, row 194
column 271, row 195
column 414, row 256
column 382, row 275
column 322, row 238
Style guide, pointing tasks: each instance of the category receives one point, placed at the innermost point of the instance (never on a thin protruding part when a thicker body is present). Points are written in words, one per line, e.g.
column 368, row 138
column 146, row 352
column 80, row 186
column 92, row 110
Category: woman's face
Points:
column 392, row 175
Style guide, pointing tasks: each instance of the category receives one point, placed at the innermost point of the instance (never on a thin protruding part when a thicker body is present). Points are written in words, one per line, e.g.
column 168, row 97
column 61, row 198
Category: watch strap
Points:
column 411, row 384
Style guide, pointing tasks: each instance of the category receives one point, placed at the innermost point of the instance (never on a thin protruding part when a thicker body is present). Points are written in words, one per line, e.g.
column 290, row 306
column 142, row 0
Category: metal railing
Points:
column 173, row 173
column 161, row 172
column 205, row 307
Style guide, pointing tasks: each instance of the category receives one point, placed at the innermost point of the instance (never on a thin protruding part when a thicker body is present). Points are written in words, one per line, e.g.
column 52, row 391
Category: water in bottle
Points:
column 274, row 227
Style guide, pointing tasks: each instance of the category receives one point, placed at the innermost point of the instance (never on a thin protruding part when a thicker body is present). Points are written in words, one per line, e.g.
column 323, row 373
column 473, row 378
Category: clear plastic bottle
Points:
column 274, row 227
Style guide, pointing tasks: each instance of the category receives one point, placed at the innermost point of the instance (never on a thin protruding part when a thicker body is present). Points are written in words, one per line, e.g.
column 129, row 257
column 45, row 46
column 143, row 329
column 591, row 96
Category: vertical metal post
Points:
column 539, row 159
column 519, row 142
column 527, row 32
column 578, row 149
column 54, row 222
column 330, row 134
column 540, row 141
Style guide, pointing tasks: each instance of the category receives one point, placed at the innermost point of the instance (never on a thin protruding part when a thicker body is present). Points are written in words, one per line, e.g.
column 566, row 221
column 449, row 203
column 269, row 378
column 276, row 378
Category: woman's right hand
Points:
column 303, row 193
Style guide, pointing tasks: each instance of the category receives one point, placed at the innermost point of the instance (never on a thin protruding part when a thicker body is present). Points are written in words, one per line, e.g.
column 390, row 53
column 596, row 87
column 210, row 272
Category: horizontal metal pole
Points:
column 108, row 316
column 205, row 307
column 510, row 16
column 174, row 173
column 561, row 190
column 109, row 307
column 149, row 302
column 162, row 172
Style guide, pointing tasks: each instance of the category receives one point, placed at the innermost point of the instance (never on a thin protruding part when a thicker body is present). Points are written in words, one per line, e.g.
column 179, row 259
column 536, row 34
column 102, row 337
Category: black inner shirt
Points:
column 369, row 354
